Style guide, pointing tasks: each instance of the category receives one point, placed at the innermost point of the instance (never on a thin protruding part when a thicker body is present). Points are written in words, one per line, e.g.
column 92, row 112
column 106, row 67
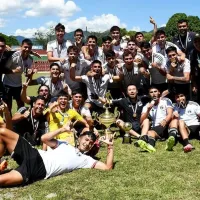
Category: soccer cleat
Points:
column 188, row 148
column 170, row 143
column 145, row 146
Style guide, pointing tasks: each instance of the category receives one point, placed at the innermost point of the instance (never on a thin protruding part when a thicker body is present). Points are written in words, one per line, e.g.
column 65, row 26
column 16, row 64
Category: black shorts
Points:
column 12, row 93
column 31, row 165
column 136, row 126
column 194, row 131
column 160, row 130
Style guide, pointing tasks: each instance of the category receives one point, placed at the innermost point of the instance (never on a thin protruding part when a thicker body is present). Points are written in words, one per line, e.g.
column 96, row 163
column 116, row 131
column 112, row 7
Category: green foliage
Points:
column 42, row 38
column 194, row 23
column 10, row 40
column 171, row 26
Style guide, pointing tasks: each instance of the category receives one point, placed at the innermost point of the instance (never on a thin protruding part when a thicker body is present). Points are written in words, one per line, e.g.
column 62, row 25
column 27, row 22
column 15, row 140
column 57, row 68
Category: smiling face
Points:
column 172, row 56
column 77, row 99
column 60, row 35
column 91, row 43
column 131, row 46
column 161, row 39
column 78, row 37
column 55, row 71
column 128, row 59
column 85, row 143
column 147, row 52
column 39, row 106
column 73, row 55
column 107, row 45
column 62, row 102
column 26, row 49
column 115, row 35
column 182, row 28
column 96, row 67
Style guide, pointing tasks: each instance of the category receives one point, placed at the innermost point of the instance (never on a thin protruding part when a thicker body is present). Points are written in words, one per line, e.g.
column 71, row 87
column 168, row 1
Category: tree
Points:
column 42, row 38
column 171, row 26
column 194, row 23
column 10, row 40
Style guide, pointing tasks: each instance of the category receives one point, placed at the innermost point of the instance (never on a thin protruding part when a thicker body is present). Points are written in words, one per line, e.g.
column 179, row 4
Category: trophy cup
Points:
column 127, row 138
column 107, row 118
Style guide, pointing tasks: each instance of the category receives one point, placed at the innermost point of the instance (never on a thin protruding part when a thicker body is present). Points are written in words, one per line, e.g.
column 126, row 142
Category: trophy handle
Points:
column 95, row 117
column 116, row 113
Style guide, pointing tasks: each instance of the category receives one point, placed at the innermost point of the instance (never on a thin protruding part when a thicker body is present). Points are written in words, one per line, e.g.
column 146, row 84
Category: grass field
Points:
column 136, row 175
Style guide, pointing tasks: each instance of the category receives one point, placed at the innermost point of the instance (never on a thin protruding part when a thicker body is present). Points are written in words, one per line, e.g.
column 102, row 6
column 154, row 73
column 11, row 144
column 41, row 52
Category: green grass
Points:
column 136, row 175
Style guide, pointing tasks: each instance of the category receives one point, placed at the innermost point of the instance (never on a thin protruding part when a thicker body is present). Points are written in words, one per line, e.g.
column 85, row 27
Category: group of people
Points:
column 154, row 84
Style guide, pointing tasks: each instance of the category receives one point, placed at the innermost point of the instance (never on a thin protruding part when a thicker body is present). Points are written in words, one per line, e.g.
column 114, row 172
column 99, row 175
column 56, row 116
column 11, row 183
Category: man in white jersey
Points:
column 161, row 45
column 155, row 63
column 37, row 164
column 159, row 110
column 178, row 73
column 57, row 49
column 185, row 120
column 96, row 84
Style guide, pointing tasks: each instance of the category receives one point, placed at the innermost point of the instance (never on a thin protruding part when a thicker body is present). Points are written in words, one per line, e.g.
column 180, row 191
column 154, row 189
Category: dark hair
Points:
column 172, row 48
column 42, row 86
column 54, row 64
column 153, row 87
column 131, row 40
column 105, row 38
column 92, row 37
column 40, row 97
column 145, row 45
column 109, row 54
column 78, row 30
column 90, row 134
column 114, row 28
column 96, row 61
column 2, row 39
column 27, row 41
column 182, row 21
column 138, row 33
column 126, row 53
column 131, row 85
column 59, row 26
column 77, row 92
column 160, row 32
column 62, row 93
column 73, row 48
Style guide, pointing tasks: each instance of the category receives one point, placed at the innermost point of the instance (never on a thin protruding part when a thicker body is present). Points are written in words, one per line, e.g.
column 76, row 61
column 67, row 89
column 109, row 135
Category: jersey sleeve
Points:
column 197, row 110
column 144, row 110
column 169, row 103
column 49, row 47
column 88, row 162
column 187, row 67
column 22, row 110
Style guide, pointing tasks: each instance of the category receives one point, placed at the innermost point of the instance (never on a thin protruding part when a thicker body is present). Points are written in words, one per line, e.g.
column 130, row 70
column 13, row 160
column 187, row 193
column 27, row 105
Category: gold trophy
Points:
column 127, row 127
column 107, row 118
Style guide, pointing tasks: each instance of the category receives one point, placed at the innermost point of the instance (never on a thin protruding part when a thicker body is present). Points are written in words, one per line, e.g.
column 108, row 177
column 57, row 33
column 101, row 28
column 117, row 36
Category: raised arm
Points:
column 72, row 73
column 108, row 165
column 26, row 99
column 48, row 138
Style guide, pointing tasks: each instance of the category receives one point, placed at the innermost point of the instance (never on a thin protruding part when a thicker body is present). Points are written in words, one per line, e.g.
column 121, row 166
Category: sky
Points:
column 25, row 17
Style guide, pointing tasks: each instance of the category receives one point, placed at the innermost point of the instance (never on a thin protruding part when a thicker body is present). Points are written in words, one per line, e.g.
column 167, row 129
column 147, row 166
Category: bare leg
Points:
column 11, row 178
column 145, row 127
column 183, row 130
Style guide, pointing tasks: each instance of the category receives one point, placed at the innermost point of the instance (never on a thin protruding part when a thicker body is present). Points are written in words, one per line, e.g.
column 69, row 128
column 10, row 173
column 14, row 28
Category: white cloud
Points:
column 136, row 28
column 97, row 23
column 163, row 25
column 58, row 7
column 29, row 33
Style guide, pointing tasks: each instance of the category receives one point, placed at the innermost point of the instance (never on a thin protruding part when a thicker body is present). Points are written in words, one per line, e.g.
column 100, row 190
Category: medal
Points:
column 134, row 110
column 134, row 115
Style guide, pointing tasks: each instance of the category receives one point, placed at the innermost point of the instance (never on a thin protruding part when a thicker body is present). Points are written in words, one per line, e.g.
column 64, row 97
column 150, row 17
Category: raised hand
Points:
column 107, row 139
column 27, row 113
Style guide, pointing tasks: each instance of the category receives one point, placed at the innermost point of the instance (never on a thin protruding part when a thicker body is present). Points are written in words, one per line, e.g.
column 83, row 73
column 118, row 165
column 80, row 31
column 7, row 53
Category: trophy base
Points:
column 126, row 138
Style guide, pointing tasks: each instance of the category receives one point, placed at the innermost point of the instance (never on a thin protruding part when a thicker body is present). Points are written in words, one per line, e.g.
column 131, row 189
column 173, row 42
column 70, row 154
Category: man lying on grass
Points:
column 37, row 164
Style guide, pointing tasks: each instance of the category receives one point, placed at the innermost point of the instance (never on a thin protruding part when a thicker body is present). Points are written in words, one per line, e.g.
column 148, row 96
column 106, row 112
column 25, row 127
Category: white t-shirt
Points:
column 65, row 158
column 156, row 48
column 156, row 76
column 179, row 70
column 83, row 111
column 189, row 114
column 15, row 80
column 96, row 86
column 159, row 111
column 59, row 50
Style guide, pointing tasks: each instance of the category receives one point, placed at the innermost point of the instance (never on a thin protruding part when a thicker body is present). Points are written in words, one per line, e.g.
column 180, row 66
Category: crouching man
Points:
column 185, row 121
column 38, row 164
